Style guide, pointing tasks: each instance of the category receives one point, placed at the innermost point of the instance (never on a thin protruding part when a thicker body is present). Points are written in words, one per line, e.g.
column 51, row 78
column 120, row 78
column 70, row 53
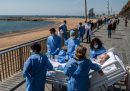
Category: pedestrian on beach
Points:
column 63, row 31
column 96, row 48
column 109, row 29
column 88, row 31
column 35, row 69
column 81, row 31
column 72, row 44
column 53, row 43
column 77, row 69
column 126, row 21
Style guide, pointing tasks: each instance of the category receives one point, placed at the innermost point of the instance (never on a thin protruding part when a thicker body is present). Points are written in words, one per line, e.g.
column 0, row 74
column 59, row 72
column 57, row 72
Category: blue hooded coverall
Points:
column 53, row 44
column 63, row 28
column 34, row 71
column 81, row 31
column 78, row 74
column 95, row 52
column 72, row 44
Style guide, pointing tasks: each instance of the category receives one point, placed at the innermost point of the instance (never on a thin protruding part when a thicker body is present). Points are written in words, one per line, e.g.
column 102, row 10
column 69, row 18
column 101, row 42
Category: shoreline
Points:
column 12, row 39
column 15, row 33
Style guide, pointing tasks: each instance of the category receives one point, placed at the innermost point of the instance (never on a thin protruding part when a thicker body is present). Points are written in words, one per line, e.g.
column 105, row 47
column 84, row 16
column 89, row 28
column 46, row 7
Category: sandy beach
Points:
column 13, row 39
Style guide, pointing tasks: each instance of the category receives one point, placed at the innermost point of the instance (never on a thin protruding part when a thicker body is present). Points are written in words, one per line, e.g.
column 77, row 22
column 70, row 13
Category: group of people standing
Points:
column 112, row 24
column 72, row 53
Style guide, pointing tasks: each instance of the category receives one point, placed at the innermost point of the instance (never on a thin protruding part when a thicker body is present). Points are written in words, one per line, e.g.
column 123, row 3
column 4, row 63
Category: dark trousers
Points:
column 88, row 37
column 109, row 33
column 125, row 24
column 81, row 38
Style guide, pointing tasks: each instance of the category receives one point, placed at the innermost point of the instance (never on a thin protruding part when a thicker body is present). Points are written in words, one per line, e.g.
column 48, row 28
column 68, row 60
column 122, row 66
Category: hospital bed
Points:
column 113, row 69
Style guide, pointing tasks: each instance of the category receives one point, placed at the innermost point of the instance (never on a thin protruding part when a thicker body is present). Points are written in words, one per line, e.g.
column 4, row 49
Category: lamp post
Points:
column 86, row 10
column 108, row 6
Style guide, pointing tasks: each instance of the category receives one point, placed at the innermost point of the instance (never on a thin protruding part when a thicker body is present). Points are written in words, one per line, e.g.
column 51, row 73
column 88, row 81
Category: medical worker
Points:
column 35, row 69
column 72, row 44
column 81, row 31
column 53, row 43
column 77, row 69
column 96, row 48
column 63, row 31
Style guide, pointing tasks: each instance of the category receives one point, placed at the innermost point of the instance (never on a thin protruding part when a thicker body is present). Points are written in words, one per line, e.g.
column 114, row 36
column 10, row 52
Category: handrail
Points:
column 13, row 58
column 20, row 45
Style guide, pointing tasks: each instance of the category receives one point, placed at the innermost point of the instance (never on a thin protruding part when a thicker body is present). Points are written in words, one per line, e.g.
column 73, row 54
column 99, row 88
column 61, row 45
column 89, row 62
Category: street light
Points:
column 108, row 6
column 86, row 10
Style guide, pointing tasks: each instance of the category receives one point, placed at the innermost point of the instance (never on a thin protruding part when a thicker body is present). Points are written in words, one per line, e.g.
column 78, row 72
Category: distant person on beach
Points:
column 35, row 69
column 72, row 44
column 81, row 31
column 77, row 70
column 63, row 31
column 109, row 29
column 126, row 21
column 53, row 43
column 88, row 31
column 96, row 48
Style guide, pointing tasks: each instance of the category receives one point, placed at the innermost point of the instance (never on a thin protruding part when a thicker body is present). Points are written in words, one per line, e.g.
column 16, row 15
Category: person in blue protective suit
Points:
column 63, row 30
column 96, row 48
column 53, row 43
column 35, row 69
column 81, row 31
column 77, row 69
column 72, row 44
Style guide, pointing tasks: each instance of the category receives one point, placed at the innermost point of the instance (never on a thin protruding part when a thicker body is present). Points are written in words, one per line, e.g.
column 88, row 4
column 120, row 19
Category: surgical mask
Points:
column 96, row 46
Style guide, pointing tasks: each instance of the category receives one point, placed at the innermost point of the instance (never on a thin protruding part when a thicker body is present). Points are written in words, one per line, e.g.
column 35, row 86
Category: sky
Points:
column 57, row 7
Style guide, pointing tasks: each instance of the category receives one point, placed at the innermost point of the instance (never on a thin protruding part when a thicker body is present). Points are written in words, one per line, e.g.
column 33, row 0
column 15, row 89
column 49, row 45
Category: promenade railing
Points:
column 12, row 59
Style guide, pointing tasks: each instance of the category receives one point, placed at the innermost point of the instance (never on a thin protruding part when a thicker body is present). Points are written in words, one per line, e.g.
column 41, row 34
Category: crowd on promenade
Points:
column 68, row 49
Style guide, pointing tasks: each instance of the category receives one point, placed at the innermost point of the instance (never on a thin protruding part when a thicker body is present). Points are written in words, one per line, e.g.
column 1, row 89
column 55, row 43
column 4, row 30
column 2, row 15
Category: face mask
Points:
column 96, row 46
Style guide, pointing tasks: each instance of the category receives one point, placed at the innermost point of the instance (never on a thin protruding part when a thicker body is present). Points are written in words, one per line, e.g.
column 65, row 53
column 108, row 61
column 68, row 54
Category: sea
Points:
column 15, row 26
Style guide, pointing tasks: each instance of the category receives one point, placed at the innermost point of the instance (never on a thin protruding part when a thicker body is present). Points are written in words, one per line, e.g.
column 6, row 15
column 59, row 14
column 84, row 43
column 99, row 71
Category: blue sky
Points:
column 56, row 7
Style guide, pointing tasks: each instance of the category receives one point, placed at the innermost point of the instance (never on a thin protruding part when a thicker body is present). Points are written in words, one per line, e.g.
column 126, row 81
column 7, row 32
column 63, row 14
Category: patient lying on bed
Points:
column 103, row 57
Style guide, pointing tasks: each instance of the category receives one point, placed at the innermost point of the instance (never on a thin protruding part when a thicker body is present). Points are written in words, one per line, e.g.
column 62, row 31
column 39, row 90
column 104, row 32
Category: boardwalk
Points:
column 120, row 41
